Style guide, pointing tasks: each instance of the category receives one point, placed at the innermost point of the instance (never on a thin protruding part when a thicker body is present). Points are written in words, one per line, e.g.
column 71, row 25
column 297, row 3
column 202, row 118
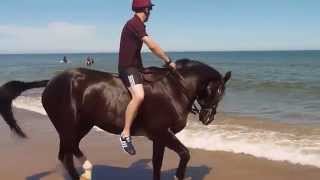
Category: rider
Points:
column 132, row 38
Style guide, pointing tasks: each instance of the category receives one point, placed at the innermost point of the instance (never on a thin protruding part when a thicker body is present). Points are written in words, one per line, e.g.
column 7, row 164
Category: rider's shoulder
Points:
column 135, row 22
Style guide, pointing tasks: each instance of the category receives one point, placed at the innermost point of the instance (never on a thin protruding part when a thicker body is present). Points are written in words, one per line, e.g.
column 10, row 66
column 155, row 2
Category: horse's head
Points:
column 208, row 85
column 209, row 98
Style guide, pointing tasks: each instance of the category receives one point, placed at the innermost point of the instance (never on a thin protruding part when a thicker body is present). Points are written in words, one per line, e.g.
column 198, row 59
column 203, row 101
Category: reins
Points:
column 194, row 109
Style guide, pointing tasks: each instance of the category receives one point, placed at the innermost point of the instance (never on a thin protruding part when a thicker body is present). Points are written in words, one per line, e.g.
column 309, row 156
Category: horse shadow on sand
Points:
column 138, row 170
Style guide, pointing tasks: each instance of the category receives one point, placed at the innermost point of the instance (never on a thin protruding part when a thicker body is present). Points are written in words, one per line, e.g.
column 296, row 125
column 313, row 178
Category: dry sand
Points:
column 36, row 158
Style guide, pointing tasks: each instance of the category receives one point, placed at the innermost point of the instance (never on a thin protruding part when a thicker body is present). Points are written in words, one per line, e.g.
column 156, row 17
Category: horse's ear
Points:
column 227, row 77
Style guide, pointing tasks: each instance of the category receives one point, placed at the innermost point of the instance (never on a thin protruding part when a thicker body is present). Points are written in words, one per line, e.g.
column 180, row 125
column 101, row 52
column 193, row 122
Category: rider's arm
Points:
column 155, row 48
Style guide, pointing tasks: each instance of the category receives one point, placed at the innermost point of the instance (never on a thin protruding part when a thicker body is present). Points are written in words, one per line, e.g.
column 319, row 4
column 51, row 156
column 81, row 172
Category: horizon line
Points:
column 148, row 52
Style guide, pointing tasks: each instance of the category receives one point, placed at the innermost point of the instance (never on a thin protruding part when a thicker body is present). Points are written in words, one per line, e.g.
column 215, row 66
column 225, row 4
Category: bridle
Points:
column 206, row 107
column 203, row 107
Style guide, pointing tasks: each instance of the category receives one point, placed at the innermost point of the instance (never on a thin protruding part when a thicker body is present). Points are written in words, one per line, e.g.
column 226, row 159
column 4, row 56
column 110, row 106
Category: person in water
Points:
column 130, row 63
column 89, row 61
column 65, row 60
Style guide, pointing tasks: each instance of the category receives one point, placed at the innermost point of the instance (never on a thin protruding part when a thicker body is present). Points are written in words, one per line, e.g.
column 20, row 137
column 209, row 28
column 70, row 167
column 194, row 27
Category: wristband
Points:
column 169, row 62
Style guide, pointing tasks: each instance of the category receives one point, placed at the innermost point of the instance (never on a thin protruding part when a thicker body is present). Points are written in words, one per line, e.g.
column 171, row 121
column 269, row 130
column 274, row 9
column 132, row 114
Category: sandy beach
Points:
column 36, row 158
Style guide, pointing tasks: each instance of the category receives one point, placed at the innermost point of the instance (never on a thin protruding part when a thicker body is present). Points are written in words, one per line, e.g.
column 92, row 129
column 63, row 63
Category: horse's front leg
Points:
column 172, row 142
column 157, row 157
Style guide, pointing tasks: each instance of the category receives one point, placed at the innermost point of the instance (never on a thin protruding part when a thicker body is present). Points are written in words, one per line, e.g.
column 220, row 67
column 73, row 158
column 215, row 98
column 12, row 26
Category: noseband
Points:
column 206, row 107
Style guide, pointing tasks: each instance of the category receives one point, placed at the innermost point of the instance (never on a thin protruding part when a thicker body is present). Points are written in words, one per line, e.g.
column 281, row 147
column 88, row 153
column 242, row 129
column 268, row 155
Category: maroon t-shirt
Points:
column 131, row 44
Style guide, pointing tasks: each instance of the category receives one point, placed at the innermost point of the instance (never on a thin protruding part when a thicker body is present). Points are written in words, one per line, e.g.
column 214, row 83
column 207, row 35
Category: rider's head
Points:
column 142, row 6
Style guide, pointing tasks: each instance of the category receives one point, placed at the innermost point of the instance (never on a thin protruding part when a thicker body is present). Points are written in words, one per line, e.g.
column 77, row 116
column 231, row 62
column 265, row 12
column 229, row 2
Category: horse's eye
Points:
column 219, row 91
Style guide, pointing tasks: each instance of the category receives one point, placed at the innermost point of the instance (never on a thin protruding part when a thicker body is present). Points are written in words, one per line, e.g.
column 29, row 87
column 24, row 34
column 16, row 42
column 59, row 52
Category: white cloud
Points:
column 55, row 37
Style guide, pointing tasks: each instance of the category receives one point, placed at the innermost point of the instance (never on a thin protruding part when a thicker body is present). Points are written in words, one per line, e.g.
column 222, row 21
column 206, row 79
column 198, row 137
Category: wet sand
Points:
column 36, row 158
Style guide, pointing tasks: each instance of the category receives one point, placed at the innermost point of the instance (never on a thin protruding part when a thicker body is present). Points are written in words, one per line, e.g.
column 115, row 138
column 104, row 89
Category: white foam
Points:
column 34, row 104
column 98, row 129
column 29, row 103
column 260, row 143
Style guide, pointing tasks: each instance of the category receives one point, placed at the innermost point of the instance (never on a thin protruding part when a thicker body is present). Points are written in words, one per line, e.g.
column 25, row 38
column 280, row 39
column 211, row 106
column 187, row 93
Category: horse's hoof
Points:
column 86, row 175
column 84, row 178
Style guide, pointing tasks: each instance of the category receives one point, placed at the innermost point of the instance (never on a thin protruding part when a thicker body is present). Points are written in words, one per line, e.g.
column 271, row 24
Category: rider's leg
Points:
column 137, row 94
column 132, row 79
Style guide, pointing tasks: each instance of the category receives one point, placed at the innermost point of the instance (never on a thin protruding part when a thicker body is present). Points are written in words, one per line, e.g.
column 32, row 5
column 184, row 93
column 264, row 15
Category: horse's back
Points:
column 79, row 82
column 84, row 95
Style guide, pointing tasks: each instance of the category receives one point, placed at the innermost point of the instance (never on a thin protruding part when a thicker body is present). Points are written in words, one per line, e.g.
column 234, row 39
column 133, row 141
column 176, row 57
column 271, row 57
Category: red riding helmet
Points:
column 140, row 4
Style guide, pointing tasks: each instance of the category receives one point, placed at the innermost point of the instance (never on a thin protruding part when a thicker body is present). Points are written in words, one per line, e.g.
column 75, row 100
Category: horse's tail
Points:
column 8, row 92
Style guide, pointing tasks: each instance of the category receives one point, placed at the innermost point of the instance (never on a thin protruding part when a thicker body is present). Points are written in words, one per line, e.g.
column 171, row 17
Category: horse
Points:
column 78, row 99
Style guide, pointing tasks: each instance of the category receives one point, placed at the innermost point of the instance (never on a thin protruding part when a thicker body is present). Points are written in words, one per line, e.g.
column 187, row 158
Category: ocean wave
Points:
column 269, row 144
column 34, row 104
column 276, row 86
column 30, row 103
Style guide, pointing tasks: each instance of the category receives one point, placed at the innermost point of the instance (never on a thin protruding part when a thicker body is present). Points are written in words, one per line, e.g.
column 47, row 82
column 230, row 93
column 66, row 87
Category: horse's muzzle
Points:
column 207, row 116
column 208, row 120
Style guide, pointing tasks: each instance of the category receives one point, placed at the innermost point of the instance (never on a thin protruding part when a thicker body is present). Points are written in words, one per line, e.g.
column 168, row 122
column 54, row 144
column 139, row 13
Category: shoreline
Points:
column 36, row 158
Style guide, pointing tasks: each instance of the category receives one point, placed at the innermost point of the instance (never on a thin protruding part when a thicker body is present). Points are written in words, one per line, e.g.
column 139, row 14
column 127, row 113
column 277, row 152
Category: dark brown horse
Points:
column 78, row 99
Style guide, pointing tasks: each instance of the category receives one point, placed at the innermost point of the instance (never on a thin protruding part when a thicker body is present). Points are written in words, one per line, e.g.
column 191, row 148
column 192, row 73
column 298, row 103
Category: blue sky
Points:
column 177, row 25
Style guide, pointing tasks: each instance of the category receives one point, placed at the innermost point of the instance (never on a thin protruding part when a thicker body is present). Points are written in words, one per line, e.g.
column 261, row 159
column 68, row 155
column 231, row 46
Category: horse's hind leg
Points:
column 69, row 164
column 62, row 110
column 66, row 157
column 67, row 147
column 157, row 158
column 70, row 136
column 86, row 164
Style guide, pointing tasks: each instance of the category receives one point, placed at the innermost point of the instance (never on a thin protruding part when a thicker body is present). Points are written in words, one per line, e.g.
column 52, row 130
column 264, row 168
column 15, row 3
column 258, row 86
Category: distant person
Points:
column 92, row 60
column 65, row 60
column 89, row 61
column 130, row 63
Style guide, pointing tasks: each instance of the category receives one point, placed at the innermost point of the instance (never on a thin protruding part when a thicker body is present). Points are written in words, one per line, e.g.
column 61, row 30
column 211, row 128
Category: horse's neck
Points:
column 192, row 83
column 188, row 88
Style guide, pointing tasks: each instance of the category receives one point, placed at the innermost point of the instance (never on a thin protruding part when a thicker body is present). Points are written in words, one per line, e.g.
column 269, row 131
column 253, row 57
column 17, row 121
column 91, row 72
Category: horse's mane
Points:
column 198, row 67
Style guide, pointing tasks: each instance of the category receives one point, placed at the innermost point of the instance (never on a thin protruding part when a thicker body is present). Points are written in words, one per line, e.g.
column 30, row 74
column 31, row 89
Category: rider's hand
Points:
column 173, row 65
column 170, row 64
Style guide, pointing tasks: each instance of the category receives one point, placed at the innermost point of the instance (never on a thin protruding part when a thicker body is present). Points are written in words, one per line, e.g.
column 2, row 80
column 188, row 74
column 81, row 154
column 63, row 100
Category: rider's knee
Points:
column 137, row 93
column 138, row 97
